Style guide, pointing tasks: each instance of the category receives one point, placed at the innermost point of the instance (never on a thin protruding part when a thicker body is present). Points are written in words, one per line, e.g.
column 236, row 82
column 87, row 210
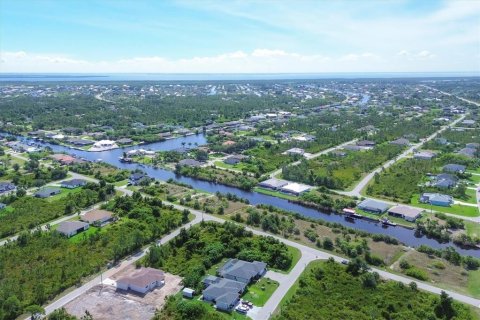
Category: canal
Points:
column 112, row 157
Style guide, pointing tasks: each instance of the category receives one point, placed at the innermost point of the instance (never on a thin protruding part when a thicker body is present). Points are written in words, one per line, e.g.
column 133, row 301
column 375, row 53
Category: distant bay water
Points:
column 76, row 77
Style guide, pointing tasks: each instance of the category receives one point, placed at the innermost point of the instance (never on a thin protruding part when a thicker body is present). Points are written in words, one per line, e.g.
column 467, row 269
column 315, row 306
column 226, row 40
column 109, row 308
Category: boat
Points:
column 387, row 222
column 351, row 213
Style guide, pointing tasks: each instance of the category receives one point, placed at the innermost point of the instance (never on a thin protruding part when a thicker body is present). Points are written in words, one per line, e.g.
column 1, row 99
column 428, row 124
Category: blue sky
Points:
column 239, row 36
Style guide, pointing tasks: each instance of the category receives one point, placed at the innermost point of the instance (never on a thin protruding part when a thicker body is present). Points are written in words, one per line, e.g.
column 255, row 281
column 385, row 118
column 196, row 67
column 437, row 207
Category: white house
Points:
column 103, row 145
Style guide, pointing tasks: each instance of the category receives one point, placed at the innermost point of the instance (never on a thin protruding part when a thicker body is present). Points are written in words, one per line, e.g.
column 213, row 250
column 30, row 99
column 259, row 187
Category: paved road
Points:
column 363, row 183
column 308, row 254
column 313, row 156
column 449, row 94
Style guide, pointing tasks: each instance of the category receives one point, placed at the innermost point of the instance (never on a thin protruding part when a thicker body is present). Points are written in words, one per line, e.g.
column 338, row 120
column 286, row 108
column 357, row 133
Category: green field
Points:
column 63, row 193
column 83, row 235
column 466, row 211
column 274, row 193
column 474, row 283
column 259, row 292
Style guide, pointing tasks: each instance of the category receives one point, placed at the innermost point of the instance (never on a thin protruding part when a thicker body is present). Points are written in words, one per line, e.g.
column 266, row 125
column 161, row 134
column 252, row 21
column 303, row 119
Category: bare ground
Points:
column 105, row 302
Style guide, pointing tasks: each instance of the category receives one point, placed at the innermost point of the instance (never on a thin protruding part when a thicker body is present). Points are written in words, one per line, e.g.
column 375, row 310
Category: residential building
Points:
column 71, row 228
column 125, row 141
column 137, row 178
column 142, row 280
column 467, row 152
column 373, row 206
column 294, row 151
column 188, row 293
column 273, row 183
column 454, row 168
column 408, row 213
column 444, row 181
column 190, row 163
column 424, row 155
column 80, row 142
column 63, row 159
column 242, row 271
column 235, row 159
column 104, row 145
column 437, row 199
column 224, row 293
column 401, row 142
column 366, row 143
column 7, row 187
column 295, row 188
column 97, row 217
column 72, row 184
column 47, row 192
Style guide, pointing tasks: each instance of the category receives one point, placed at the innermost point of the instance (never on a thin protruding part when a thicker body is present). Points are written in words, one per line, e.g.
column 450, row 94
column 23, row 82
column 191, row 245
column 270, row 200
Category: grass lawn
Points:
column 83, row 235
column 63, row 193
column 466, row 211
column 471, row 196
column 474, row 178
column 397, row 220
column 274, row 193
column 229, row 316
column 121, row 183
column 259, row 292
column 6, row 210
column 472, row 228
column 474, row 283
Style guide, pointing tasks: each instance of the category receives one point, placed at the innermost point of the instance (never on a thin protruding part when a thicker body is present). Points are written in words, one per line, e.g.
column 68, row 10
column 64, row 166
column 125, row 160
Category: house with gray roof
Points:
column 454, row 168
column 73, row 183
column 190, row 163
column 242, row 271
column 406, row 212
column 224, row 293
column 467, row 152
column 47, row 192
column 436, row 199
column 7, row 187
column 401, row 142
column 273, row 183
column 444, row 181
column 71, row 228
column 373, row 206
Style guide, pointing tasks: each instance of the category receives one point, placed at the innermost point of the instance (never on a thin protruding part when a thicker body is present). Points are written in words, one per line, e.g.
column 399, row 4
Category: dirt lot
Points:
column 104, row 302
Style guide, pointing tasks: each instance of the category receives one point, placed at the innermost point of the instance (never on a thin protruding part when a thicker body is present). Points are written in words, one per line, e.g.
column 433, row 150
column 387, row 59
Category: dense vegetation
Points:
column 231, row 178
column 40, row 265
column 336, row 172
column 327, row 290
column 28, row 212
column 196, row 250
column 177, row 308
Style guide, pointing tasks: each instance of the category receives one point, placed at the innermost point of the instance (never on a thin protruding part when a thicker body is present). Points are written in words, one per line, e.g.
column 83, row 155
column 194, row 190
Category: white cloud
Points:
column 257, row 61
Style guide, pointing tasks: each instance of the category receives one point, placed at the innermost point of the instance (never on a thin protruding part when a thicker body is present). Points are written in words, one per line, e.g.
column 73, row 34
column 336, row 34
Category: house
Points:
column 104, row 145
column 188, row 293
column 295, row 188
column 366, row 143
column 273, row 183
column 235, row 159
column 352, row 147
column 80, row 142
column 468, row 122
column 445, row 180
column 467, row 152
column 338, row 153
column 137, row 178
column 373, row 206
column 190, row 163
column 47, row 192
column 72, row 184
column 441, row 141
column 454, row 168
column 242, row 271
column 437, row 199
column 228, row 143
column 408, row 213
column 401, row 142
column 63, row 159
column 424, row 155
column 71, row 228
column 224, row 293
column 7, row 187
column 142, row 280
column 97, row 217
column 473, row 145
column 125, row 141
column 294, row 151
column 305, row 138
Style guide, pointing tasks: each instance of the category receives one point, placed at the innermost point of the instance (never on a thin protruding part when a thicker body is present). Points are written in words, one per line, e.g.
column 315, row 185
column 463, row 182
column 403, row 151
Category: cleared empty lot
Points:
column 105, row 302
